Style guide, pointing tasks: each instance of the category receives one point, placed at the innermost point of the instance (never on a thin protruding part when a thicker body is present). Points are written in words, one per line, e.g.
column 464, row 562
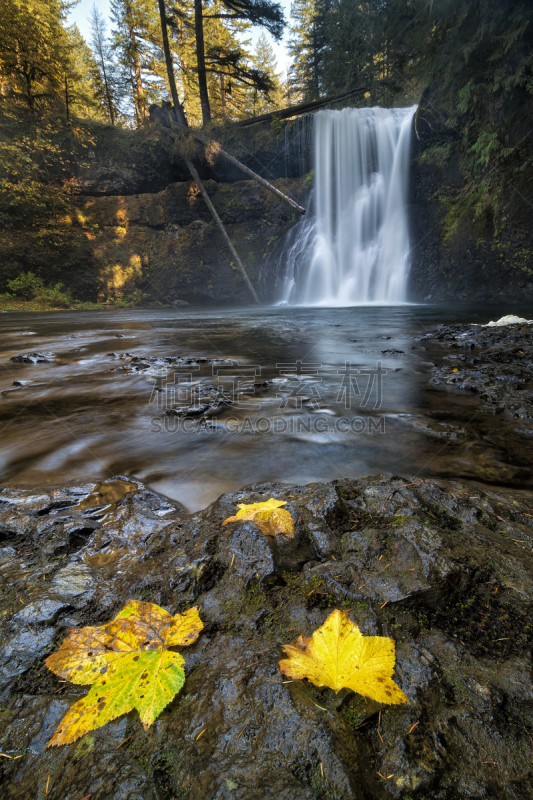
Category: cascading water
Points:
column 354, row 247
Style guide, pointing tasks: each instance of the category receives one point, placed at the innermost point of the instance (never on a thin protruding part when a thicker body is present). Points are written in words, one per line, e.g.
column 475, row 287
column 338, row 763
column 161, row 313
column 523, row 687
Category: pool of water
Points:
column 314, row 397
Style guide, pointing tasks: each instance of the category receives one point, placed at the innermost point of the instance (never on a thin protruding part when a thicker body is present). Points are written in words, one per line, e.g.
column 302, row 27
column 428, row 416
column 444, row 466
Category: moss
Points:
column 326, row 789
column 84, row 747
column 399, row 520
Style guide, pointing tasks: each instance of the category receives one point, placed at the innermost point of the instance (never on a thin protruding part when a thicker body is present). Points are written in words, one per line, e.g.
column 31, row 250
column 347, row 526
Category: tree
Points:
column 178, row 108
column 127, row 46
column 78, row 87
column 265, row 60
column 32, row 49
column 267, row 13
column 106, row 76
column 304, row 50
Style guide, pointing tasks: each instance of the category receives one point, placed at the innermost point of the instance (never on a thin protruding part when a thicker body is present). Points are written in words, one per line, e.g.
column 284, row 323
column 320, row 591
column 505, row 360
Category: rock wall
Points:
column 471, row 231
column 166, row 246
column 137, row 229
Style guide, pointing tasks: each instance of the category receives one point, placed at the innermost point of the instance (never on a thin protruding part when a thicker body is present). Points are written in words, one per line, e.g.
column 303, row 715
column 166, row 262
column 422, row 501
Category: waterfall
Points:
column 353, row 247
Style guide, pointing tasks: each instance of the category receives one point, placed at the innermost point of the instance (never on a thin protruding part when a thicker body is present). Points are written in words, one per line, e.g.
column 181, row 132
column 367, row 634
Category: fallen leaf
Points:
column 128, row 663
column 339, row 656
column 270, row 518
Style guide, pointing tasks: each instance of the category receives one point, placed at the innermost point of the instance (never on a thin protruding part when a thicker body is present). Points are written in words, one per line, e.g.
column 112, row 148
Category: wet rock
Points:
column 444, row 569
column 33, row 358
column 72, row 581
column 7, row 554
column 497, row 365
column 45, row 610
column 22, row 650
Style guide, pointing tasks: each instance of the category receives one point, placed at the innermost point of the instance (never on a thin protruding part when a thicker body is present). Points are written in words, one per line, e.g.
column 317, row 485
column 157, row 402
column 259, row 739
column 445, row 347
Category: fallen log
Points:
column 179, row 112
column 295, row 111
column 222, row 229
column 215, row 145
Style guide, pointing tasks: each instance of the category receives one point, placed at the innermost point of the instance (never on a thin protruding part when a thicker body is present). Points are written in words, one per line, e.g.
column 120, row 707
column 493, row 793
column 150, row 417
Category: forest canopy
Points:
column 393, row 49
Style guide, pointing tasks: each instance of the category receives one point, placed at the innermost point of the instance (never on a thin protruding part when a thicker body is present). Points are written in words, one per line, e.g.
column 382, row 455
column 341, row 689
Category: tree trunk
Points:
column 179, row 111
column 67, row 104
column 248, row 171
column 139, row 100
column 222, row 229
column 223, row 95
column 295, row 111
column 200, row 58
column 109, row 99
column 29, row 94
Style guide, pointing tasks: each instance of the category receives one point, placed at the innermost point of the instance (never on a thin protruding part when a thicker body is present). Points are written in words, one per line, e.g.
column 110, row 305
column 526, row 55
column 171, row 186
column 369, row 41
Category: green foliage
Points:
column 27, row 286
column 265, row 60
column 33, row 184
column 56, row 296
column 33, row 48
column 304, row 73
column 108, row 80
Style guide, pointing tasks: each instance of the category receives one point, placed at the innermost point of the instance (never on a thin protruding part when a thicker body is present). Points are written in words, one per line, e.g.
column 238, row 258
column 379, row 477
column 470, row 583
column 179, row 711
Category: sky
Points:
column 81, row 12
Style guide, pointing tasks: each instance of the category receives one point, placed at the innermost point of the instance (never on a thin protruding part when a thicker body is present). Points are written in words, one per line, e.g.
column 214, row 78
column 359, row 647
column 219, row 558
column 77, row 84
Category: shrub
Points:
column 27, row 286
column 55, row 296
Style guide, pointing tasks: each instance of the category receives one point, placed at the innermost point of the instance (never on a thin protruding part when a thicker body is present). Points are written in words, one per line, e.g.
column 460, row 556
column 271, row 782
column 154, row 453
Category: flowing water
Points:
column 353, row 248
column 90, row 413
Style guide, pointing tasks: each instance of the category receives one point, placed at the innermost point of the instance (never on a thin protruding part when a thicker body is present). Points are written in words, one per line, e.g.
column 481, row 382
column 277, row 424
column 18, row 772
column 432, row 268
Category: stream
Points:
column 307, row 394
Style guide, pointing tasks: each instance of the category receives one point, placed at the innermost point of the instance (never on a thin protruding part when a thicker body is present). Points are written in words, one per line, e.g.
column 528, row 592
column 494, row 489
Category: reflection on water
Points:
column 290, row 394
column 106, row 493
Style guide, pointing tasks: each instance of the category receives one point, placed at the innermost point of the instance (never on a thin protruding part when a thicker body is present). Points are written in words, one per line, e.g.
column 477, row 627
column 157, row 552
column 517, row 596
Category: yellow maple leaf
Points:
column 270, row 518
column 339, row 656
column 128, row 663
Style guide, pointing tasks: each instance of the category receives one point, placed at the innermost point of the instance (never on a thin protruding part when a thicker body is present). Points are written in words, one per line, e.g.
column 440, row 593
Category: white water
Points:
column 354, row 248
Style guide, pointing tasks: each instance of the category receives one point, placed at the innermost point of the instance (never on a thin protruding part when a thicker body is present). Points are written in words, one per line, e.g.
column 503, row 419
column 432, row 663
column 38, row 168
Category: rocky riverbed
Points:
column 494, row 361
column 442, row 568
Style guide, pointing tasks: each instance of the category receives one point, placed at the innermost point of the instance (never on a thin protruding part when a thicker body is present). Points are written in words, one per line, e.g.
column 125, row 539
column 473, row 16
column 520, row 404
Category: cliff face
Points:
column 137, row 230
column 471, row 225
column 166, row 246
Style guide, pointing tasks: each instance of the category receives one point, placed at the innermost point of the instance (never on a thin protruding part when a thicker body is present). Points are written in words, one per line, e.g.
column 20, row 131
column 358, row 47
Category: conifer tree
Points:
column 130, row 44
column 79, row 94
column 267, row 13
column 304, row 50
column 265, row 60
column 33, row 49
column 106, row 76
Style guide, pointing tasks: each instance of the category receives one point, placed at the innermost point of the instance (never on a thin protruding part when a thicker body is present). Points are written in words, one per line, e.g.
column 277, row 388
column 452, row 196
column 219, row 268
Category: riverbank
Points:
column 8, row 303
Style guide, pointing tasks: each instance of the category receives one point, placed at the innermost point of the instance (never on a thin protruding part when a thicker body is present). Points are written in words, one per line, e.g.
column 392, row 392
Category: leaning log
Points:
column 218, row 149
column 181, row 118
column 295, row 111
column 222, row 229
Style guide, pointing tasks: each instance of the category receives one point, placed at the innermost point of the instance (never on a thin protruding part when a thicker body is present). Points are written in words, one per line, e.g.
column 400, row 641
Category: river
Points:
column 309, row 395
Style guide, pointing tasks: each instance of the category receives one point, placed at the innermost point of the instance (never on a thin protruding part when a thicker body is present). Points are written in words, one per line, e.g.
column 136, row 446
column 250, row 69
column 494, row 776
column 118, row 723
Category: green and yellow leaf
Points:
column 270, row 517
column 339, row 656
column 128, row 663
